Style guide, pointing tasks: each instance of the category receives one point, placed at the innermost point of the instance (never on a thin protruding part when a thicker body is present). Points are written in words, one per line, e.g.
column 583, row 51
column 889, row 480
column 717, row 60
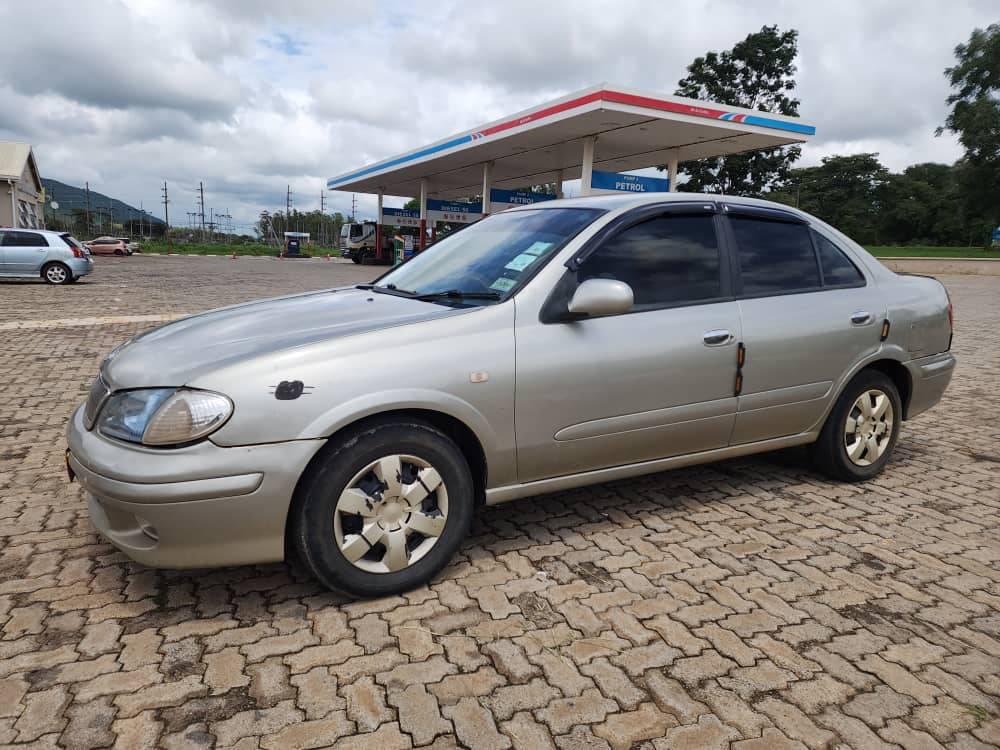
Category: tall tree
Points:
column 845, row 191
column 975, row 118
column 757, row 73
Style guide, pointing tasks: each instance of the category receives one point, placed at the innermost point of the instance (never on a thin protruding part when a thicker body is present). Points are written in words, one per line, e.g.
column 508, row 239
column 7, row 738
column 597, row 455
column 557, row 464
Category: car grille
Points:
column 95, row 399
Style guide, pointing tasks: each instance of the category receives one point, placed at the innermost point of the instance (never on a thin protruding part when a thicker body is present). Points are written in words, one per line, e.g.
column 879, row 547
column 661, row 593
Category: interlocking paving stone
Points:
column 746, row 604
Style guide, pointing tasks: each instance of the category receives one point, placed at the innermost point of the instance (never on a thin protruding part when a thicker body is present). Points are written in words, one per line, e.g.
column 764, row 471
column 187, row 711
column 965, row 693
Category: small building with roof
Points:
column 22, row 197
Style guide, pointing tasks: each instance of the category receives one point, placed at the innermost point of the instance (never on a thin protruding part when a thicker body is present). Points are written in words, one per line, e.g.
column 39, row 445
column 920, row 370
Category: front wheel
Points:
column 860, row 433
column 384, row 509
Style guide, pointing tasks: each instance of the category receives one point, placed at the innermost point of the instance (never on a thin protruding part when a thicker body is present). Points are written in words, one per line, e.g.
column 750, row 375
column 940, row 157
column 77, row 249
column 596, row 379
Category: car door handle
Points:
column 718, row 337
column 861, row 317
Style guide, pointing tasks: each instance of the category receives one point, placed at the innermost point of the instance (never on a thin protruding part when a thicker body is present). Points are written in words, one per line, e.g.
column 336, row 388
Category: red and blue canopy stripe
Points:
column 617, row 97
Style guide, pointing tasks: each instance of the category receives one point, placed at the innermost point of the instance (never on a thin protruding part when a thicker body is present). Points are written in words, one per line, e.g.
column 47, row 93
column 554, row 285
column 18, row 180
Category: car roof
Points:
column 624, row 201
column 34, row 231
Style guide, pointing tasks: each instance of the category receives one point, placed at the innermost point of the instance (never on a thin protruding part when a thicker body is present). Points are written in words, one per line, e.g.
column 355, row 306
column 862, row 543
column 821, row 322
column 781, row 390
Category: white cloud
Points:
column 250, row 96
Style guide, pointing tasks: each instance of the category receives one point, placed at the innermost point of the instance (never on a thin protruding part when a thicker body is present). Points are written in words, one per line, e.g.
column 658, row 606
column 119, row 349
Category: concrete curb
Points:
column 945, row 266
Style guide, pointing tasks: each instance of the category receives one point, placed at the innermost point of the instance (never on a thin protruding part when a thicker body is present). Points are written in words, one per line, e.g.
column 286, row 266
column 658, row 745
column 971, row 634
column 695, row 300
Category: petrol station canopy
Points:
column 603, row 128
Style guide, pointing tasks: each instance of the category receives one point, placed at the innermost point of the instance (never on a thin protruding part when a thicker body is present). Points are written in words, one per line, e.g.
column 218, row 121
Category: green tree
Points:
column 975, row 119
column 845, row 191
column 757, row 73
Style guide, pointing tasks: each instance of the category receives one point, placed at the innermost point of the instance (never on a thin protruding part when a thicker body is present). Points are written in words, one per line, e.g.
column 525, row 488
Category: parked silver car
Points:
column 543, row 348
column 56, row 257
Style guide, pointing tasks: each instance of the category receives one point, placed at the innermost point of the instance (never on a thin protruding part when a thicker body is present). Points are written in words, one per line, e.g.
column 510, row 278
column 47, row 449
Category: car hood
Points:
column 179, row 352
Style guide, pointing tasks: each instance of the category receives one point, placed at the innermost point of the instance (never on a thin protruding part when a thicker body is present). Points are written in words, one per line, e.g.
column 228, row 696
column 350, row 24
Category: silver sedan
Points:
column 55, row 257
column 543, row 348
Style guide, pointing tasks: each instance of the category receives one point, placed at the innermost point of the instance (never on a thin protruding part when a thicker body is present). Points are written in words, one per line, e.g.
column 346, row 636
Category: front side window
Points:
column 668, row 260
column 23, row 239
column 489, row 258
column 838, row 270
column 775, row 257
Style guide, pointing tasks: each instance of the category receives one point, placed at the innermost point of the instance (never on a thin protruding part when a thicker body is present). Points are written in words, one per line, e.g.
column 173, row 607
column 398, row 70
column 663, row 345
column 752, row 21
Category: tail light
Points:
column 77, row 252
column 951, row 315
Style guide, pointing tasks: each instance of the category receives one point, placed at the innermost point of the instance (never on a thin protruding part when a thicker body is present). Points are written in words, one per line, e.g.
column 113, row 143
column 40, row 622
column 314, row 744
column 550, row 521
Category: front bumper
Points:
column 80, row 266
column 929, row 377
column 199, row 506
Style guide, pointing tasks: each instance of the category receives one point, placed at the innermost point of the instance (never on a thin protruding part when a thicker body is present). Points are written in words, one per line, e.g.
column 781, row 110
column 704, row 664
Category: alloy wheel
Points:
column 868, row 428
column 56, row 274
column 391, row 514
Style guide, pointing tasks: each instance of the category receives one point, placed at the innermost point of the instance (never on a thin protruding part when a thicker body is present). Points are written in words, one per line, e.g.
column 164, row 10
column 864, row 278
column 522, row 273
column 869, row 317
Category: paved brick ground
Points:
column 749, row 604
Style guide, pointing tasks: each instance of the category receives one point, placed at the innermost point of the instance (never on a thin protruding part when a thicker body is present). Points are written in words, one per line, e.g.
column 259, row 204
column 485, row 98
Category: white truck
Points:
column 357, row 242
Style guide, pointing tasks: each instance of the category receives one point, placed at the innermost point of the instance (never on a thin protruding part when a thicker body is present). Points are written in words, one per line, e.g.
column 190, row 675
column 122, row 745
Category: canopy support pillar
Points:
column 587, row 168
column 423, row 214
column 379, row 250
column 487, row 186
column 672, row 172
column 559, row 182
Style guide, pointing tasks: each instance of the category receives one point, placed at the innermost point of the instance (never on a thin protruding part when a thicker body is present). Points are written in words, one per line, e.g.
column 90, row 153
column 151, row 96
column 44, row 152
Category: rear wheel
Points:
column 119, row 253
column 384, row 509
column 860, row 433
column 57, row 273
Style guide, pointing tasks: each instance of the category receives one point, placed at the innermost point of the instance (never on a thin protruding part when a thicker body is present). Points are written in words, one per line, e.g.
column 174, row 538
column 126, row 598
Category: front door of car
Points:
column 24, row 252
column 654, row 382
column 809, row 315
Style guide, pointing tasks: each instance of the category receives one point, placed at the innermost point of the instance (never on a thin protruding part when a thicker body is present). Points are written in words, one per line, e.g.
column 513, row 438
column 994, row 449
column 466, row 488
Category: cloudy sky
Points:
column 250, row 96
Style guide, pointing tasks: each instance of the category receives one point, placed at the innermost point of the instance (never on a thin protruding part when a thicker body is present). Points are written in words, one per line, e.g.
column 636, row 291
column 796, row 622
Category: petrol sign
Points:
column 616, row 182
column 501, row 200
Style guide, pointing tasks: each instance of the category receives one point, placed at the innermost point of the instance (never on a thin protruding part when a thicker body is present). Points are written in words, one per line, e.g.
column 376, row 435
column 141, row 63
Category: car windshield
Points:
column 486, row 260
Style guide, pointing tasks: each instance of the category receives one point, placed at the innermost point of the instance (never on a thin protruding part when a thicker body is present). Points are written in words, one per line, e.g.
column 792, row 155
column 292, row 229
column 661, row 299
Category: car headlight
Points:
column 163, row 416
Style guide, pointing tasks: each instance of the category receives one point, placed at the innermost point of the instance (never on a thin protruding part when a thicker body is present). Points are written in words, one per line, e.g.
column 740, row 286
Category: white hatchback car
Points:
column 56, row 257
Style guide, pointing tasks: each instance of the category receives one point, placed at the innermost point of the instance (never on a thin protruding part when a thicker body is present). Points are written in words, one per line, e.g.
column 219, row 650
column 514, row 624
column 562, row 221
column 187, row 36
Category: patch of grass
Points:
column 925, row 251
column 980, row 713
column 197, row 248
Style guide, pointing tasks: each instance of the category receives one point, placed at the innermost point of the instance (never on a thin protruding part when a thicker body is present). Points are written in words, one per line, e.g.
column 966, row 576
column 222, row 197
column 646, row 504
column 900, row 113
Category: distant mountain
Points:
column 70, row 198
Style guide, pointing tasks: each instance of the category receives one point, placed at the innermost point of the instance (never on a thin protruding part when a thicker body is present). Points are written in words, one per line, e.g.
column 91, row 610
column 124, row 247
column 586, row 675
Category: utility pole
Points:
column 111, row 214
column 322, row 217
column 87, row 185
column 166, row 214
column 354, row 207
column 211, row 225
column 201, row 207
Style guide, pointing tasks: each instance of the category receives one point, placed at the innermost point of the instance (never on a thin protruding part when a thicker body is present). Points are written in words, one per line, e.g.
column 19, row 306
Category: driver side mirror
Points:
column 596, row 297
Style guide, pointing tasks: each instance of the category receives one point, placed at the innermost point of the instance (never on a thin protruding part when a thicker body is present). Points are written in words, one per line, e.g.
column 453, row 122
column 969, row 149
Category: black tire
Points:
column 311, row 518
column 356, row 259
column 119, row 253
column 57, row 273
column 830, row 452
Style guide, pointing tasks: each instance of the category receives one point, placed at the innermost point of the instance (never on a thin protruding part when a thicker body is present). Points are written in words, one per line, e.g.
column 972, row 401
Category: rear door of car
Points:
column 648, row 384
column 24, row 252
column 809, row 314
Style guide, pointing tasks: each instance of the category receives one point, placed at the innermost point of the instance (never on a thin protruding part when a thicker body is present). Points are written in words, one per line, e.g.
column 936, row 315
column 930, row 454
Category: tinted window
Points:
column 838, row 270
column 666, row 260
column 775, row 256
column 24, row 239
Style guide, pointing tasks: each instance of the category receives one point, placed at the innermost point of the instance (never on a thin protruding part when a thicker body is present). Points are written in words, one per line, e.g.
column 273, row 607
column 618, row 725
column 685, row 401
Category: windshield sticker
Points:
column 503, row 284
column 521, row 262
column 538, row 248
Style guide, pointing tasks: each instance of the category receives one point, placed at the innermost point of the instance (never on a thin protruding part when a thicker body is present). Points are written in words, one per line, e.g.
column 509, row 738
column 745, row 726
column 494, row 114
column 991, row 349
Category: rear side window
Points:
column 838, row 270
column 775, row 257
column 668, row 260
column 23, row 239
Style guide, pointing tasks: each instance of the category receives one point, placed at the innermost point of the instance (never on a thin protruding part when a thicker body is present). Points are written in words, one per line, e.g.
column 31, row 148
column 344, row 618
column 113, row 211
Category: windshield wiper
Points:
column 457, row 294
column 387, row 289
